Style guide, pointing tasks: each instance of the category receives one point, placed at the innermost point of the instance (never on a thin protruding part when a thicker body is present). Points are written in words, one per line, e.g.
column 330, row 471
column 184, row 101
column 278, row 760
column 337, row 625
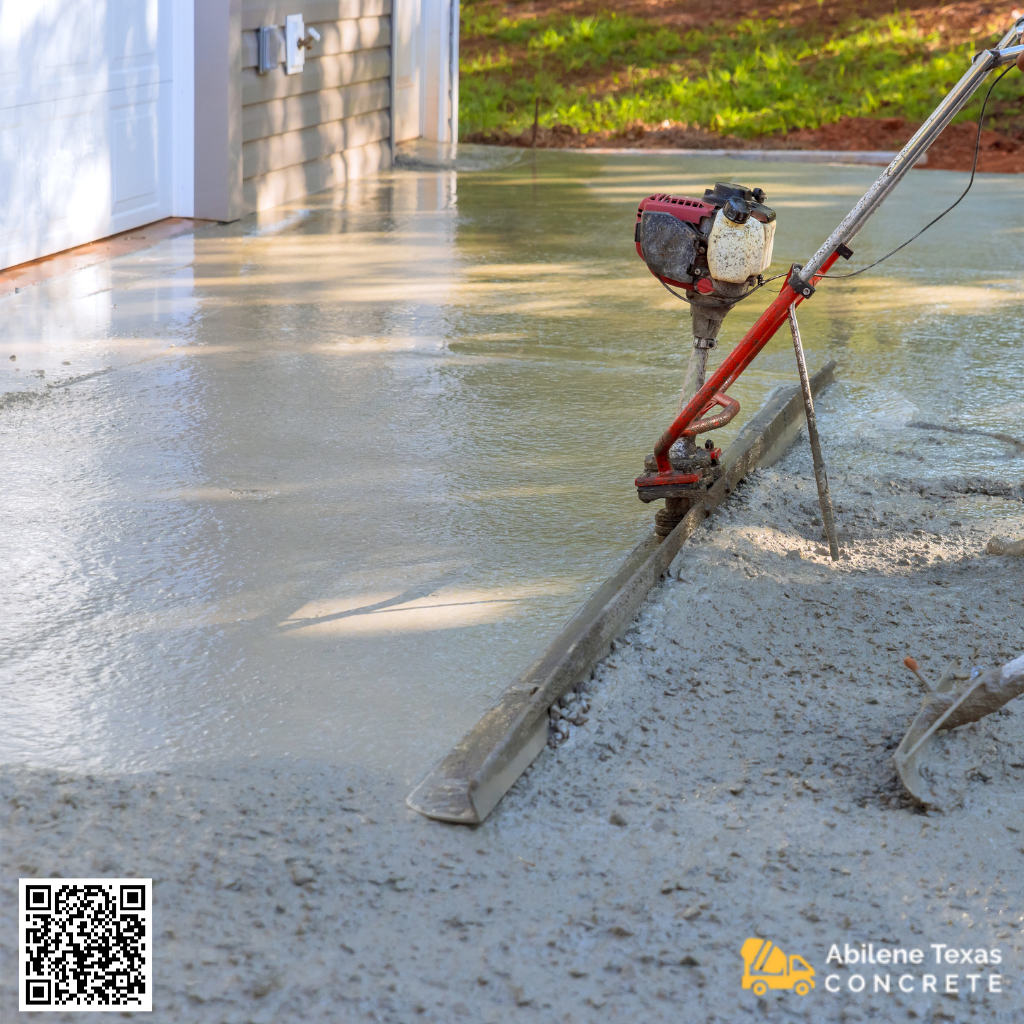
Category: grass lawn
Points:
column 746, row 69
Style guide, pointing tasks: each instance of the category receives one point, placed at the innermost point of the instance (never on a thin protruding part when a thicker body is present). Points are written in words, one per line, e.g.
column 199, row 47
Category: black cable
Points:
column 757, row 287
column 760, row 284
column 682, row 298
column 974, row 169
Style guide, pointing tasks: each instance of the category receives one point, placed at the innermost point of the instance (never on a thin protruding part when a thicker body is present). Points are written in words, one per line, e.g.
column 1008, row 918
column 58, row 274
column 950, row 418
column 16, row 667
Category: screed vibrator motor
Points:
column 714, row 248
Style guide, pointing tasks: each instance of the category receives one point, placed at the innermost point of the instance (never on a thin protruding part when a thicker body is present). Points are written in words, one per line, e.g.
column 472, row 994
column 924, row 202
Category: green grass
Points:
column 606, row 72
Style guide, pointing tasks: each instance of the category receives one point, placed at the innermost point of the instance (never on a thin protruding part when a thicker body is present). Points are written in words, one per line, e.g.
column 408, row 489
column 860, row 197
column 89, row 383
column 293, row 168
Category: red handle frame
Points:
column 730, row 406
column 733, row 365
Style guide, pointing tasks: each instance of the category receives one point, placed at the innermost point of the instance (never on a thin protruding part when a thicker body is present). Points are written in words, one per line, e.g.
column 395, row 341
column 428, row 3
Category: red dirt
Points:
column 952, row 151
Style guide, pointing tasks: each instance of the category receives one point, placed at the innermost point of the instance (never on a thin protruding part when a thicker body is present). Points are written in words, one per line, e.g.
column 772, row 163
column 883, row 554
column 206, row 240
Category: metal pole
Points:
column 820, row 477
column 984, row 62
column 696, row 370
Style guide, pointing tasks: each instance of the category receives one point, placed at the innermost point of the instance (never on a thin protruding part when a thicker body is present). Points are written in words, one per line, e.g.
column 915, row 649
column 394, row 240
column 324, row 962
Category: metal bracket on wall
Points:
column 277, row 44
column 269, row 48
column 294, row 51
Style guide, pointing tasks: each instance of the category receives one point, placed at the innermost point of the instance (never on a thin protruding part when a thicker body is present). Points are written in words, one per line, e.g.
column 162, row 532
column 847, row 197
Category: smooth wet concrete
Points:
column 321, row 482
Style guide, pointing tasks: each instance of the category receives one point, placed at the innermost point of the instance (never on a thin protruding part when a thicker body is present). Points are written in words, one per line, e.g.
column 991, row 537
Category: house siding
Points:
column 327, row 124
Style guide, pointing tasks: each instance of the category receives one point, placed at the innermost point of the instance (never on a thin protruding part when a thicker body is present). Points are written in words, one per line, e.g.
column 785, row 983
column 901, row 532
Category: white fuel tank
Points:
column 739, row 246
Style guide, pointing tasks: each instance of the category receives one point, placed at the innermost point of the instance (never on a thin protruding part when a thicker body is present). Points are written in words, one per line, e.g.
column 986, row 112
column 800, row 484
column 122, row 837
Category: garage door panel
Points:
column 134, row 157
column 85, row 123
column 12, row 188
column 141, row 134
column 66, row 36
column 72, row 167
column 10, row 48
column 134, row 39
column 59, row 174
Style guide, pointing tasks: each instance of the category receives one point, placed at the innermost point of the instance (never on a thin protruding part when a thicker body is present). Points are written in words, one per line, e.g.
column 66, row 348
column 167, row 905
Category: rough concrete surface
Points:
column 734, row 779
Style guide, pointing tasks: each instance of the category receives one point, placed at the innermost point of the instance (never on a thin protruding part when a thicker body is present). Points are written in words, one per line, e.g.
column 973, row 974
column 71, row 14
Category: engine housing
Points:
column 675, row 235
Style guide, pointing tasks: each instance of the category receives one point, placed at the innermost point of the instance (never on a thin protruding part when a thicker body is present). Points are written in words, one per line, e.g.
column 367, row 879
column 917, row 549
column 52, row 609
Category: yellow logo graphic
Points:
column 765, row 966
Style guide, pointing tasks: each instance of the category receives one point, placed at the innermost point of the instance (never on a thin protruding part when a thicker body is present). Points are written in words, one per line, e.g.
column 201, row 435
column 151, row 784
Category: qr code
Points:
column 85, row 944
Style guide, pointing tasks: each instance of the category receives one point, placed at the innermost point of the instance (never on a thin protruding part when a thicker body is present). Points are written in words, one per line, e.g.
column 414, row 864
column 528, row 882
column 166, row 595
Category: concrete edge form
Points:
column 467, row 783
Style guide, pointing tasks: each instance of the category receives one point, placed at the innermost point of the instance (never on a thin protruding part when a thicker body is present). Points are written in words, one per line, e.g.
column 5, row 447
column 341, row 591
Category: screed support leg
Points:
column 820, row 476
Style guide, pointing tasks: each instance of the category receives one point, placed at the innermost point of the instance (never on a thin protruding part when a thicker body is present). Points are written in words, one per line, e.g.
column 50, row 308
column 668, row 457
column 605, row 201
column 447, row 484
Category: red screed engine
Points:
column 717, row 244
column 715, row 248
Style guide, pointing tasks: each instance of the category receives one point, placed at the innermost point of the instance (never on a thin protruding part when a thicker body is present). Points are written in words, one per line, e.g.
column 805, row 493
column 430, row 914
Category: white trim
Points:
column 439, row 121
column 183, row 64
column 453, row 75
column 393, row 50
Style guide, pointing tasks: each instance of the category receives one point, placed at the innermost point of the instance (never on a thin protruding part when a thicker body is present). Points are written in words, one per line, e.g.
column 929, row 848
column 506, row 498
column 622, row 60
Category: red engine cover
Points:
column 683, row 208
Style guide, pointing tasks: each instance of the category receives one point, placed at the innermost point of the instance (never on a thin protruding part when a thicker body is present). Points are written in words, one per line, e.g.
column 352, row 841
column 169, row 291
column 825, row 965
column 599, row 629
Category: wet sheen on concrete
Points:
column 319, row 483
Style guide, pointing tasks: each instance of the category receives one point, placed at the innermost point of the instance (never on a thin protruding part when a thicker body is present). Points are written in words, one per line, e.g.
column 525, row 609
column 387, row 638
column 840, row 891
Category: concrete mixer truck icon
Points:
column 765, row 966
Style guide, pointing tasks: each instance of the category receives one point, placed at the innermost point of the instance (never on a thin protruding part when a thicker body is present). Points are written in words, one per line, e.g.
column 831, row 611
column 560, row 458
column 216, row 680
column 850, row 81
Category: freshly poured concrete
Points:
column 320, row 484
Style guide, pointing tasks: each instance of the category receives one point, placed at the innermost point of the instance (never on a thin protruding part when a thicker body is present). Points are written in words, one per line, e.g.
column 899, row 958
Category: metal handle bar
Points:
column 984, row 62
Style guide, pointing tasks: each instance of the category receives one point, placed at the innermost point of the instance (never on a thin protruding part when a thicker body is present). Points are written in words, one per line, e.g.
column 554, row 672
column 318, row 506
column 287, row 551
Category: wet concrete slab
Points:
column 320, row 482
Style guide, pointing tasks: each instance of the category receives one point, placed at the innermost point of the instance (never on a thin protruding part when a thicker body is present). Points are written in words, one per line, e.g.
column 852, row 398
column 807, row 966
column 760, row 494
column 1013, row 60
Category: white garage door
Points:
column 87, row 120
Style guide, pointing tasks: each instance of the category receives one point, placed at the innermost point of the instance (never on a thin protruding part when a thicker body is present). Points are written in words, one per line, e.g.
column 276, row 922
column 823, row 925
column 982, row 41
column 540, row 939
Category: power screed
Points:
column 715, row 249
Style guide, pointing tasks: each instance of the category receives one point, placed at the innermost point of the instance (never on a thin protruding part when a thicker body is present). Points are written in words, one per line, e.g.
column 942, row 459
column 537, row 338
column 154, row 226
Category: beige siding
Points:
column 319, row 73
column 266, row 12
column 262, row 120
column 278, row 187
column 281, row 151
column 354, row 34
column 330, row 122
column 336, row 37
